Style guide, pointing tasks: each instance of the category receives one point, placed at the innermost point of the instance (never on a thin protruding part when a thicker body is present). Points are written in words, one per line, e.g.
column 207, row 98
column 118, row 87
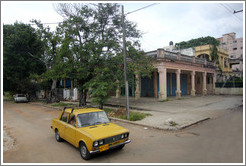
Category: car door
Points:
column 62, row 125
column 70, row 129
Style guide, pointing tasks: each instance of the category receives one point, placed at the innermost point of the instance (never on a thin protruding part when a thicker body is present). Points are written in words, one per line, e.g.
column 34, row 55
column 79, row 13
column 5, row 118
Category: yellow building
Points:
column 224, row 70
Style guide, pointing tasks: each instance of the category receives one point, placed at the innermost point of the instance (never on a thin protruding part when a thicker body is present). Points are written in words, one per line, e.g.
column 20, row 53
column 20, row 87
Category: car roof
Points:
column 82, row 110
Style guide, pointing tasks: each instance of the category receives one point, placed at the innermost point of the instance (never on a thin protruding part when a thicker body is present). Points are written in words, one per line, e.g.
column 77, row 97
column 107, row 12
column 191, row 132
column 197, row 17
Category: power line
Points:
column 142, row 8
column 231, row 12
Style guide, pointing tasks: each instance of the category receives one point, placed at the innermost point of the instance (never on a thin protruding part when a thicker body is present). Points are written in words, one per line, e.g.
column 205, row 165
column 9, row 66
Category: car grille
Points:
column 112, row 139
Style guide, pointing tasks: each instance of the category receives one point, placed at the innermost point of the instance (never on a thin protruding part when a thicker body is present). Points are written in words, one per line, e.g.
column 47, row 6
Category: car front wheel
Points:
column 57, row 135
column 84, row 151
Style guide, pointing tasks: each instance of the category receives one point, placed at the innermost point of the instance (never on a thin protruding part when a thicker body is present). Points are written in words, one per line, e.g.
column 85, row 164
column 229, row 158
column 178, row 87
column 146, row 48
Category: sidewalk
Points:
column 185, row 112
column 178, row 114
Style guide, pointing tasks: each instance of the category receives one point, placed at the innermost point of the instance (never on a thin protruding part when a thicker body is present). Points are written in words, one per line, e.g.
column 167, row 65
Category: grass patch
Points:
column 9, row 96
column 61, row 104
column 134, row 116
column 121, row 114
column 172, row 123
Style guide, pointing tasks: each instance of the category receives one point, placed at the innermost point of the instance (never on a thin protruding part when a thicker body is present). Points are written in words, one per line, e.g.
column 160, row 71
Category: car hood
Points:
column 104, row 130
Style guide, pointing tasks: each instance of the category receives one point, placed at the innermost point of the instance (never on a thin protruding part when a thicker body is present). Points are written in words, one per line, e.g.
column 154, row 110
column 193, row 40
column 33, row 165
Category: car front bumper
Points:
column 111, row 147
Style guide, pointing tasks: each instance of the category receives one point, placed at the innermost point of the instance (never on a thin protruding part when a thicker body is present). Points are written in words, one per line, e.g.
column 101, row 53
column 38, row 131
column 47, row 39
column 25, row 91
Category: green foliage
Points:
column 172, row 123
column 92, row 37
column 21, row 53
column 135, row 116
column 197, row 42
column 201, row 41
column 61, row 104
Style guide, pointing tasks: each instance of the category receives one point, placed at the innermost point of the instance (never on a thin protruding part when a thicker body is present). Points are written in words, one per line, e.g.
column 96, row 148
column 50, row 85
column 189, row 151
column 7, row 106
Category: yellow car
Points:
column 90, row 130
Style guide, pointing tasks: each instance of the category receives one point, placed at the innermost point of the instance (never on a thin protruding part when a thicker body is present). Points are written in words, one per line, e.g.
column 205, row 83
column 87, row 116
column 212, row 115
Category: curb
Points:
column 200, row 121
column 160, row 128
column 143, row 125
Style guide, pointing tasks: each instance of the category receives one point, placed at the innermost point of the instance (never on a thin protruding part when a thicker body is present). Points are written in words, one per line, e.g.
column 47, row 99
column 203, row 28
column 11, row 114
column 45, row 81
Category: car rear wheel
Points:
column 57, row 135
column 84, row 151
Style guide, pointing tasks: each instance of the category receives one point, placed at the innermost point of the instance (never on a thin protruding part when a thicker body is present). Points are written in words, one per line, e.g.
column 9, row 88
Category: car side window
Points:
column 64, row 117
column 72, row 120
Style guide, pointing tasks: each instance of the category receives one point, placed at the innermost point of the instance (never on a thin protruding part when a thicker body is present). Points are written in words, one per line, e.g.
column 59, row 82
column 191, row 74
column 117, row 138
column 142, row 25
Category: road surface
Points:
column 214, row 141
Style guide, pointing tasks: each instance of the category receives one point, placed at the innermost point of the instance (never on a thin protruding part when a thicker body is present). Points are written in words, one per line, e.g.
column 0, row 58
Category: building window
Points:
column 234, row 48
column 241, row 48
column 235, row 41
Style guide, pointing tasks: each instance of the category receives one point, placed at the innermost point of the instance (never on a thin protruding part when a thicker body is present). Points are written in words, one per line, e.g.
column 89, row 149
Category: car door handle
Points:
column 58, row 123
column 65, row 126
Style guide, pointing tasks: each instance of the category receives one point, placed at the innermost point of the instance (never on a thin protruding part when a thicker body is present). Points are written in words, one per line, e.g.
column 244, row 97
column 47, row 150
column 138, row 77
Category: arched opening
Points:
column 204, row 56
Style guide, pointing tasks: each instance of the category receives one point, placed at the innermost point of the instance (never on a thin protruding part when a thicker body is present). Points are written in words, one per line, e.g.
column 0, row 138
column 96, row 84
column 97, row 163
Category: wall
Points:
column 229, row 91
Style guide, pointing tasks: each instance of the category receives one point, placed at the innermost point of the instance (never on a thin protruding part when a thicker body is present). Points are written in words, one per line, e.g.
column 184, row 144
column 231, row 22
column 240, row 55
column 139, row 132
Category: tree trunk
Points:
column 53, row 96
column 101, row 106
column 82, row 97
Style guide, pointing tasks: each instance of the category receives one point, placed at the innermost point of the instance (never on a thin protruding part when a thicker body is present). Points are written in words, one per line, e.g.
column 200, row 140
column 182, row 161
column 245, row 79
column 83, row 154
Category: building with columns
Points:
column 177, row 75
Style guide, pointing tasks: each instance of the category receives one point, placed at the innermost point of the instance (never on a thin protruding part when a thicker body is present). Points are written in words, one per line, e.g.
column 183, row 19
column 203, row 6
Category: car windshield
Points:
column 92, row 118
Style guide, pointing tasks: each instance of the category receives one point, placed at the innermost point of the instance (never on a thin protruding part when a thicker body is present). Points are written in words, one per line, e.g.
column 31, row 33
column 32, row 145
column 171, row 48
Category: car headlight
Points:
column 126, row 135
column 100, row 142
column 122, row 136
column 95, row 143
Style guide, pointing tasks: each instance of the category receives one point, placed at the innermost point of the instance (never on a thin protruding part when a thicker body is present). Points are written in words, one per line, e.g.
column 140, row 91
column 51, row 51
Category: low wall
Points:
column 229, row 91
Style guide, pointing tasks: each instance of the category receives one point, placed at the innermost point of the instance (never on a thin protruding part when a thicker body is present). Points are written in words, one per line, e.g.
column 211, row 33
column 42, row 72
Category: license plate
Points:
column 103, row 148
column 117, row 142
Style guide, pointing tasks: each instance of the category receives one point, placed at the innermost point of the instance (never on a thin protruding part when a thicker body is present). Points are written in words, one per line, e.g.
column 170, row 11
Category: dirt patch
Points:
column 117, row 113
column 9, row 141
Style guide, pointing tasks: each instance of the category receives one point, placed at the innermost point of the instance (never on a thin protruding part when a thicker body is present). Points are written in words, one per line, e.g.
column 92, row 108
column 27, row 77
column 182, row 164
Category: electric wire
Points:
column 231, row 12
column 142, row 8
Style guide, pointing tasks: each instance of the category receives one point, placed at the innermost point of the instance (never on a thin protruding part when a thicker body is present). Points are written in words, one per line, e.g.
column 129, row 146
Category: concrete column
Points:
column 214, row 81
column 118, row 90
column 204, row 83
column 193, row 89
column 137, row 92
column 162, row 83
column 155, row 84
column 178, row 91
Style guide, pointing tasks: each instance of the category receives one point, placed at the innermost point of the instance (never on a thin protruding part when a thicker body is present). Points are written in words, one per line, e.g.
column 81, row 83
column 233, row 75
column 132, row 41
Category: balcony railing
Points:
column 180, row 57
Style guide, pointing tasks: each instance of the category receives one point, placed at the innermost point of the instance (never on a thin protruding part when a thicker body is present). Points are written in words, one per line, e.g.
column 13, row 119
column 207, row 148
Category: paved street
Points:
column 216, row 140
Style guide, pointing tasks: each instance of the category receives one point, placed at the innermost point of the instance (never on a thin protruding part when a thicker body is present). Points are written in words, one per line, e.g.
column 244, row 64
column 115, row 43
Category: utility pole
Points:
column 125, row 64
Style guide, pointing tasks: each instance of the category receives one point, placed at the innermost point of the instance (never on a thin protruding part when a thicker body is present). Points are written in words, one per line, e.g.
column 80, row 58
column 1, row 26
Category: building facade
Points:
column 176, row 75
column 234, row 47
column 223, row 67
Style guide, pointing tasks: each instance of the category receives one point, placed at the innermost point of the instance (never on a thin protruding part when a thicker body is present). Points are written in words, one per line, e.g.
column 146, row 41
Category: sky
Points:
column 159, row 23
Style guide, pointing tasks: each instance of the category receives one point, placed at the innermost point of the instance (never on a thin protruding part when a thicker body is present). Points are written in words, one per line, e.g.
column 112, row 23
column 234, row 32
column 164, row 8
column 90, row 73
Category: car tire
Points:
column 57, row 135
column 84, row 151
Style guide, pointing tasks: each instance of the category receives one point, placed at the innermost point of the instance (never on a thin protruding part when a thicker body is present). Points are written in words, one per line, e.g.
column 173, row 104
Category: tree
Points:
column 93, row 34
column 21, row 51
column 51, row 56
